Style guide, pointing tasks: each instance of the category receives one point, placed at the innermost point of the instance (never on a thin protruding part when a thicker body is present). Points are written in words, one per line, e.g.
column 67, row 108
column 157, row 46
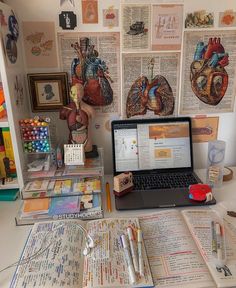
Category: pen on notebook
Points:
column 128, row 259
column 219, row 241
column 213, row 240
column 133, row 248
column 140, row 254
column 108, row 196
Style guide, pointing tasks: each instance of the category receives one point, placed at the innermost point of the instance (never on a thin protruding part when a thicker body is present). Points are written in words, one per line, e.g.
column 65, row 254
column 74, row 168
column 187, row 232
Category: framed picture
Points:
column 48, row 91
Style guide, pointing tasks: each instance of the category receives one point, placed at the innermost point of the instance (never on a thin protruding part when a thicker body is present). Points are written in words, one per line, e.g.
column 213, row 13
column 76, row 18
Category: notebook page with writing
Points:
column 199, row 223
column 172, row 253
column 105, row 266
column 59, row 246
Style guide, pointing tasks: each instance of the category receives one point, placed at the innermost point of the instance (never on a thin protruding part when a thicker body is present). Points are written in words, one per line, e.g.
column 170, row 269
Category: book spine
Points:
column 2, row 155
column 9, row 150
column 3, row 111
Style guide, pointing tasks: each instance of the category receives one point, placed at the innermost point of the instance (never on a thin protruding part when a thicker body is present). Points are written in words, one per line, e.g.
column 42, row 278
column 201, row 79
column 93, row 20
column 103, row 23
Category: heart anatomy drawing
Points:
column 209, row 79
column 91, row 71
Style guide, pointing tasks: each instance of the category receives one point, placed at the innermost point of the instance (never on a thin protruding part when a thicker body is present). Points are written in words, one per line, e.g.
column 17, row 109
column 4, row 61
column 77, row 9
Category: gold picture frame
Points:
column 48, row 91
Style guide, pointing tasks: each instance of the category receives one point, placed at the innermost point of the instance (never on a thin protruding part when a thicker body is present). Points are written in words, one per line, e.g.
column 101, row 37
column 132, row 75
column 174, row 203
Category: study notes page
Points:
column 52, row 257
column 200, row 224
column 106, row 266
column 173, row 256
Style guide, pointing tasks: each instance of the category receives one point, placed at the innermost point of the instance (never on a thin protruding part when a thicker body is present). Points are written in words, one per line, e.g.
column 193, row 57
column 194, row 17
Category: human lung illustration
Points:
column 209, row 79
column 155, row 95
column 92, row 72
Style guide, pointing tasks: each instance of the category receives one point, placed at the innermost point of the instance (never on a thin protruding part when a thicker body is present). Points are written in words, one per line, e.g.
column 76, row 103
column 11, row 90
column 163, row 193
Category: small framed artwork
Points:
column 48, row 91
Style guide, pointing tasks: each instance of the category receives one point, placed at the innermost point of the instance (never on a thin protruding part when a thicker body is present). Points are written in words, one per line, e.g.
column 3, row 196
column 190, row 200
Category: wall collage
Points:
column 157, row 60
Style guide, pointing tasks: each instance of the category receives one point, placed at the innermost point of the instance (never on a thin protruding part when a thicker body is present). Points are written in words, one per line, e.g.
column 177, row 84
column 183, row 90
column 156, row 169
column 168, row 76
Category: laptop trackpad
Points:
column 165, row 197
column 132, row 200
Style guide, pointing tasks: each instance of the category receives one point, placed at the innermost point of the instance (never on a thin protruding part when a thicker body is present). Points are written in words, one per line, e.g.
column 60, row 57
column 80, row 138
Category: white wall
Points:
column 48, row 10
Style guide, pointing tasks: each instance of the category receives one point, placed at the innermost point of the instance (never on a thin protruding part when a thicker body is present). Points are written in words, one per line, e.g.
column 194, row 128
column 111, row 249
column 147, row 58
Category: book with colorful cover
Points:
column 90, row 202
column 87, row 185
column 2, row 155
column 36, row 206
column 61, row 205
column 62, row 186
column 36, row 185
column 9, row 149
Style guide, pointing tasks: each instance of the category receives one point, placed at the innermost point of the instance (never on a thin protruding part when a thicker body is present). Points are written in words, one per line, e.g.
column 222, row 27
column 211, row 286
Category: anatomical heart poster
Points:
column 150, row 84
column 93, row 59
column 208, row 74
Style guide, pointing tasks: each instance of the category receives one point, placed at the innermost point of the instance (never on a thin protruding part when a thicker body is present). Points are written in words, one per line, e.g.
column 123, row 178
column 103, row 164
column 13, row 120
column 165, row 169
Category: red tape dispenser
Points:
column 200, row 192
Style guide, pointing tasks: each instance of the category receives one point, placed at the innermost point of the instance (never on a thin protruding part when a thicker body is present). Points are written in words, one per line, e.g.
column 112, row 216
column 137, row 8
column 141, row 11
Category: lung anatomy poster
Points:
column 150, row 84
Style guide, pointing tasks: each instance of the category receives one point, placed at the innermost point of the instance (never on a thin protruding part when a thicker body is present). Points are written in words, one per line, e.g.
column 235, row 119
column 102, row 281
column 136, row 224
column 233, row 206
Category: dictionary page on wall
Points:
column 173, row 256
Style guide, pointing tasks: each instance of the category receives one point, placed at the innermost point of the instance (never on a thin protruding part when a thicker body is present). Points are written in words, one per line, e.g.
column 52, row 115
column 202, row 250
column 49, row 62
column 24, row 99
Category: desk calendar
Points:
column 74, row 154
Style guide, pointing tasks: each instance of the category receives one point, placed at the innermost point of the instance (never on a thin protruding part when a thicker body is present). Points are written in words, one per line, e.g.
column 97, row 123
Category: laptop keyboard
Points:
column 163, row 181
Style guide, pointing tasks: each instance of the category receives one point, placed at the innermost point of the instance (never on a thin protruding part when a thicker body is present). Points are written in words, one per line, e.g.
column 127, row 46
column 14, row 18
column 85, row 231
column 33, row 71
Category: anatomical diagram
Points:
column 150, row 93
column 209, row 79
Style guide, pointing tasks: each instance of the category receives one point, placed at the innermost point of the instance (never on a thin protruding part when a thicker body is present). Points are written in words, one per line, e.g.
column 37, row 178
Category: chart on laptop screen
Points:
column 152, row 146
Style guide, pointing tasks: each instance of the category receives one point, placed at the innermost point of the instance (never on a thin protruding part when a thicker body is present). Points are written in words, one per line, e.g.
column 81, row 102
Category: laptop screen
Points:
column 150, row 144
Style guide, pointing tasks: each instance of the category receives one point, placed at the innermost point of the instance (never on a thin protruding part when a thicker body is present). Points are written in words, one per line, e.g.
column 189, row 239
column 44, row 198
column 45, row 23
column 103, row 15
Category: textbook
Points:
column 54, row 256
column 180, row 248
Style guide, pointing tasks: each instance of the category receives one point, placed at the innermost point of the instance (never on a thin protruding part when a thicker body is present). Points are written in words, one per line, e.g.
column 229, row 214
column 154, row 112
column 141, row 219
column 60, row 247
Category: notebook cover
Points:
column 34, row 205
column 63, row 205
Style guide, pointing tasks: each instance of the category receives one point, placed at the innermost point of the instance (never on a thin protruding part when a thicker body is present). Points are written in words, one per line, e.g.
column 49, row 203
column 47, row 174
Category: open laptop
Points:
column 158, row 152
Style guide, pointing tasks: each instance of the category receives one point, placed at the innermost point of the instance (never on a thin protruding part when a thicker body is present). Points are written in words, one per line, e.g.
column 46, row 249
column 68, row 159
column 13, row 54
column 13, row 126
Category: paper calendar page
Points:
column 74, row 154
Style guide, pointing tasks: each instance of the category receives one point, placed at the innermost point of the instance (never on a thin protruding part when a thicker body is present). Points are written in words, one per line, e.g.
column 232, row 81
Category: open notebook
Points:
column 177, row 252
column 61, row 263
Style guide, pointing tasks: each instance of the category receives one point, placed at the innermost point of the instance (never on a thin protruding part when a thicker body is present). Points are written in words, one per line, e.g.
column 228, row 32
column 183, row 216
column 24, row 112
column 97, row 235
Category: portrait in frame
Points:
column 48, row 91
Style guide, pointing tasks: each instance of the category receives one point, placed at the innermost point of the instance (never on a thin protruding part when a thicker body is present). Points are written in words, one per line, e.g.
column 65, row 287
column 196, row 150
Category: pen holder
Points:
column 215, row 163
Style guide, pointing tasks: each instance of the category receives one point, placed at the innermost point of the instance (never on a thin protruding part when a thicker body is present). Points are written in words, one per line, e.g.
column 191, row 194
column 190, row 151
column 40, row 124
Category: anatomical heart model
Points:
column 88, row 69
column 153, row 94
column 209, row 79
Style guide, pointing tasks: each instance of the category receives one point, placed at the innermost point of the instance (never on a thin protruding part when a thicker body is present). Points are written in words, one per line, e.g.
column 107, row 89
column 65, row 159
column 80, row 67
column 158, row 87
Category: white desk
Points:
column 13, row 238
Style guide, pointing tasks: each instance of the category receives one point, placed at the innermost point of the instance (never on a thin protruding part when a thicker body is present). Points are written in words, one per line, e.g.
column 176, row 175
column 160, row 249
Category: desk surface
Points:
column 13, row 237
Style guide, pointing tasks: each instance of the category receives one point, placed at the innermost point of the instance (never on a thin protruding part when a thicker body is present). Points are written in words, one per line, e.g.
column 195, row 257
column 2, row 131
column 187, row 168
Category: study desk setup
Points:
column 14, row 237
